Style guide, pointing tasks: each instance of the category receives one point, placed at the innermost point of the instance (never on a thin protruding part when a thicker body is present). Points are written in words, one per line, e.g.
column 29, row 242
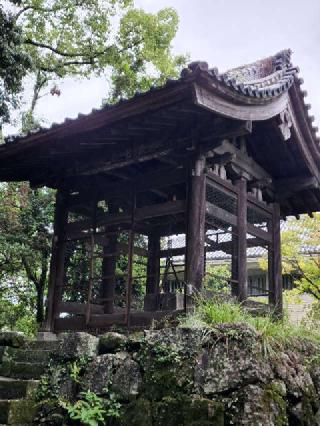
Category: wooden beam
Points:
column 139, row 251
column 77, row 308
column 259, row 183
column 259, row 233
column 226, row 246
column 220, row 159
column 154, row 150
column 142, row 213
column 106, row 116
column 221, row 214
column 286, row 187
column 149, row 181
column 243, row 161
column 230, row 219
column 223, row 128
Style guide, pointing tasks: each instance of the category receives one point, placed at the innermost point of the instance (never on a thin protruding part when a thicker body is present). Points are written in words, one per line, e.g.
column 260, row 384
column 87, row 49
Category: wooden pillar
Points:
column 108, row 269
column 242, row 291
column 274, row 264
column 196, row 209
column 153, row 266
column 130, row 258
column 129, row 276
column 56, row 277
column 234, row 262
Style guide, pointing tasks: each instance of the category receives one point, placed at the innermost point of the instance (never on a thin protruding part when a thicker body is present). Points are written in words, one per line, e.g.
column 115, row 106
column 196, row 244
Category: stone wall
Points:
column 226, row 376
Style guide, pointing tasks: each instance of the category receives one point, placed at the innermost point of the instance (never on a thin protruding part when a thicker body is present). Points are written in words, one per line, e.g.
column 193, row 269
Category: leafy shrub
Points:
column 89, row 410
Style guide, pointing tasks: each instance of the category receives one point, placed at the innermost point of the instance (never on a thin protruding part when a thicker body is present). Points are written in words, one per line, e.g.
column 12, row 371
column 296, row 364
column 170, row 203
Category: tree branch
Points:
column 38, row 9
column 52, row 49
column 63, row 53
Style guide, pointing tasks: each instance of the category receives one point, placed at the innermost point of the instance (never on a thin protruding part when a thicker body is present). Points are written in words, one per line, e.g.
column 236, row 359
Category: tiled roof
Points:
column 263, row 79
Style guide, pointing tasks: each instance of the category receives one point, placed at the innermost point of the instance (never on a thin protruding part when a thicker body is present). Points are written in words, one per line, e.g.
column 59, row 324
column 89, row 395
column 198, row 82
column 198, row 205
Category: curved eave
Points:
column 205, row 88
column 157, row 97
column 304, row 120
column 231, row 104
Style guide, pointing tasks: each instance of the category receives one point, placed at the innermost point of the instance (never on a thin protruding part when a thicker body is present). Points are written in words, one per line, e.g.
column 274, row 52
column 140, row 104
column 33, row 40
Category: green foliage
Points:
column 89, row 410
column 146, row 58
column 292, row 296
column 68, row 38
column 300, row 253
column 14, row 63
column 219, row 313
column 216, row 278
column 312, row 319
column 111, row 404
column 77, row 368
column 164, row 354
column 75, row 372
column 25, row 244
column 15, row 314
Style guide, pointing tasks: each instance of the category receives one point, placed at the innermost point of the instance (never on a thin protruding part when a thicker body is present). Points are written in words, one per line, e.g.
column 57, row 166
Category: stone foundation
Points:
column 225, row 376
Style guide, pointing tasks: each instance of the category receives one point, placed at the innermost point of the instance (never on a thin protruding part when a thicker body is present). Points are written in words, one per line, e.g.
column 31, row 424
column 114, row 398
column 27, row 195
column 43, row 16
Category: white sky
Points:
column 224, row 33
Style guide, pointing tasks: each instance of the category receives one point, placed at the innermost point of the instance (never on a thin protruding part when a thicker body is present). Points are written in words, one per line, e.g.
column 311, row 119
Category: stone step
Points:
column 15, row 389
column 26, row 355
column 17, row 411
column 22, row 370
column 42, row 345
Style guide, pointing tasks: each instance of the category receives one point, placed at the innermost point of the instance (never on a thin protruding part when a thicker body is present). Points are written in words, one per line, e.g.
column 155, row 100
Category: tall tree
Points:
column 14, row 63
column 81, row 38
column 25, row 239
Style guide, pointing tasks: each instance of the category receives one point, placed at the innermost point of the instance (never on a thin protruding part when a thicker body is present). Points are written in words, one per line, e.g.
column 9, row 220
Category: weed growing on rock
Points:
column 89, row 410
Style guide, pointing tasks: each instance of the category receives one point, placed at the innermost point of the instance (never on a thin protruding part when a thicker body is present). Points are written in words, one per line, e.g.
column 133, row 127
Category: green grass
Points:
column 272, row 331
column 218, row 313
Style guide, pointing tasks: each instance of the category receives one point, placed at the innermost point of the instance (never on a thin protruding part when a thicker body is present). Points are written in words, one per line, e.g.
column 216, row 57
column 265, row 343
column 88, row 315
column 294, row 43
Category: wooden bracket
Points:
column 285, row 124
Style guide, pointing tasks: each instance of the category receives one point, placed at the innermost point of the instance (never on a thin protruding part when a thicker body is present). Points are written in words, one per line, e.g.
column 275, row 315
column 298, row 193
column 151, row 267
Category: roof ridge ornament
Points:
column 194, row 67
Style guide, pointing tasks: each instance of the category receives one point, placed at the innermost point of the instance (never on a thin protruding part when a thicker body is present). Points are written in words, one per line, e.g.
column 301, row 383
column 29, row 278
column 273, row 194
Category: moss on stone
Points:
column 17, row 411
column 21, row 370
column 170, row 406
column 273, row 395
column 137, row 413
column 308, row 416
column 184, row 410
column 12, row 338
column 111, row 342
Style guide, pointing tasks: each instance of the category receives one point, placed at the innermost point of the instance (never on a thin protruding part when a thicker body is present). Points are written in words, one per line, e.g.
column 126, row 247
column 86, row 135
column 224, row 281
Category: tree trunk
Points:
column 40, row 303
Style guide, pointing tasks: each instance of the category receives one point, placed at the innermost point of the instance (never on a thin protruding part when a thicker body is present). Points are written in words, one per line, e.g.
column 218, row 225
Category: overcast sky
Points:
column 224, row 33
